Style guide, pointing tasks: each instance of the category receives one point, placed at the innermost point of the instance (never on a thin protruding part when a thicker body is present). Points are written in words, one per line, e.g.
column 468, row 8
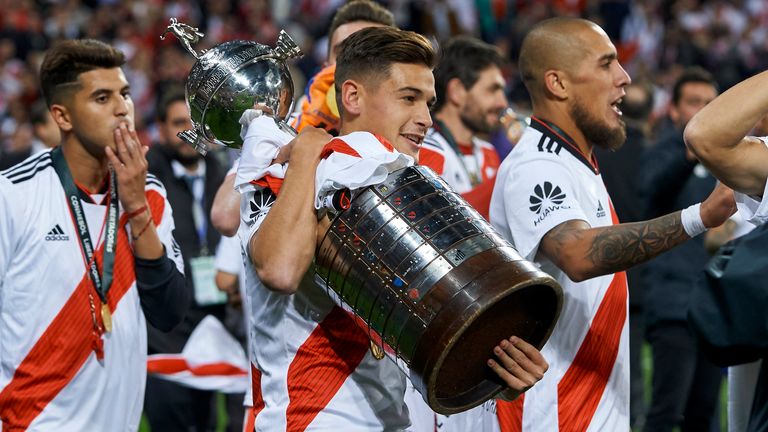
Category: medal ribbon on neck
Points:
column 103, row 281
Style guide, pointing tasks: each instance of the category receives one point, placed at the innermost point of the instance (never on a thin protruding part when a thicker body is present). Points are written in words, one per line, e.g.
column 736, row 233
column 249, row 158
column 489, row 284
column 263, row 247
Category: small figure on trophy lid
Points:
column 185, row 33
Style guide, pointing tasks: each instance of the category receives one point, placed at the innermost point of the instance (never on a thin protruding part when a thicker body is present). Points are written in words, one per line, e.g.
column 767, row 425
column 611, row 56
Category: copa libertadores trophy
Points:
column 230, row 78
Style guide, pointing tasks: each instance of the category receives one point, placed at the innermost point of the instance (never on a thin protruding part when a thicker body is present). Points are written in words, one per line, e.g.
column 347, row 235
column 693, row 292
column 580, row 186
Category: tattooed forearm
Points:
column 584, row 252
column 619, row 247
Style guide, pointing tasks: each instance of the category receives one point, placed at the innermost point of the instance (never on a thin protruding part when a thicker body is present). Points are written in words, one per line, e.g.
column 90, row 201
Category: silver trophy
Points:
column 434, row 285
column 230, row 78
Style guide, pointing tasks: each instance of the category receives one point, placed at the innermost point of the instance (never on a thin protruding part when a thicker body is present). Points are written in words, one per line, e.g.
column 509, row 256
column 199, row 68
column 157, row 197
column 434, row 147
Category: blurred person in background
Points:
column 190, row 181
column 685, row 384
column 44, row 135
column 470, row 100
column 317, row 107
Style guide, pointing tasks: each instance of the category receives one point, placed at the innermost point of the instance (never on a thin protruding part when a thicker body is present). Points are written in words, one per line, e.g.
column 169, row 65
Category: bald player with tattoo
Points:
column 550, row 201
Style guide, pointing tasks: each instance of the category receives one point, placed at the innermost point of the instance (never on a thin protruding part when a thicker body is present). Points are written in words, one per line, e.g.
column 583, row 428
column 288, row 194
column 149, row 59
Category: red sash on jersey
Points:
column 321, row 365
column 580, row 389
column 67, row 343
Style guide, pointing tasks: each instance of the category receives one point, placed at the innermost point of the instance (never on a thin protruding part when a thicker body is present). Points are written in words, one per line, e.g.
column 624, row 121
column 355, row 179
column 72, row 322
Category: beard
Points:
column 174, row 151
column 476, row 123
column 187, row 160
column 474, row 120
column 595, row 131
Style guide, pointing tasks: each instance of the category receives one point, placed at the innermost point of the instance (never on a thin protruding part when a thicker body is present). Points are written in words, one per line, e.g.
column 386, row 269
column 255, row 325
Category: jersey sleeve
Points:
column 155, row 192
column 753, row 209
column 254, row 207
column 228, row 256
column 539, row 194
column 7, row 227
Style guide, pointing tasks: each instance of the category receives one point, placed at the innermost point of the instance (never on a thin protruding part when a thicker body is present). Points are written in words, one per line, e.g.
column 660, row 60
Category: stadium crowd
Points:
column 656, row 39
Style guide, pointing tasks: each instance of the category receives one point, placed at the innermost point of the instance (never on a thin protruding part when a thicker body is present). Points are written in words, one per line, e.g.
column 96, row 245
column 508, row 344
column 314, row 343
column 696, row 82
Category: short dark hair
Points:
column 64, row 63
column 168, row 98
column 692, row 74
column 360, row 10
column 463, row 57
column 370, row 53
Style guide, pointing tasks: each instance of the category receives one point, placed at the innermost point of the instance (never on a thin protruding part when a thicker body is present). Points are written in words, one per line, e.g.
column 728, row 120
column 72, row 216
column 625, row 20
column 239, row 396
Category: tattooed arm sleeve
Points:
column 584, row 252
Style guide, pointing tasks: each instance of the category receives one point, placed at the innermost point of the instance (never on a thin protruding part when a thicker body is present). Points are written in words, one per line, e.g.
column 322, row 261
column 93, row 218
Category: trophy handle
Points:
column 186, row 34
column 191, row 137
column 285, row 127
column 286, row 48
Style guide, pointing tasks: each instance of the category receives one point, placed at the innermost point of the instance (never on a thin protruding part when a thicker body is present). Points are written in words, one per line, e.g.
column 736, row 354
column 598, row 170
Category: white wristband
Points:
column 691, row 220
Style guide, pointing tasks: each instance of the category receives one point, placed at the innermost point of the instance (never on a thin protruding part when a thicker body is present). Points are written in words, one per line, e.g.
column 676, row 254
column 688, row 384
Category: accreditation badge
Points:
column 204, row 282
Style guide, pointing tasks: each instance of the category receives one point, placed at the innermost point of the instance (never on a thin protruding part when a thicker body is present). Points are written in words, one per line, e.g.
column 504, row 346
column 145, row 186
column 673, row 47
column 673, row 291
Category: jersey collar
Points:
column 555, row 133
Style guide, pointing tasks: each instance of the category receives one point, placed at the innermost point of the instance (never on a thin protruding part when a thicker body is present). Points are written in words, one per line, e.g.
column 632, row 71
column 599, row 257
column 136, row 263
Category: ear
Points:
column 455, row 92
column 351, row 96
column 62, row 117
column 556, row 84
column 674, row 114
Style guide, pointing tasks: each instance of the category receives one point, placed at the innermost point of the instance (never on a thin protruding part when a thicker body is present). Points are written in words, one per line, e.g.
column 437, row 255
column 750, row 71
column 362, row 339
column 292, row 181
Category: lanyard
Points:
column 475, row 177
column 103, row 282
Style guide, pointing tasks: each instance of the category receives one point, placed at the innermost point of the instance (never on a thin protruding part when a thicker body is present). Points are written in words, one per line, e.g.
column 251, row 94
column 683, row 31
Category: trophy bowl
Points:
column 434, row 286
column 229, row 79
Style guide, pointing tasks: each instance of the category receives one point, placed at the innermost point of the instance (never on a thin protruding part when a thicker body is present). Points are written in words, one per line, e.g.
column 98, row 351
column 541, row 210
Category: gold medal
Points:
column 376, row 350
column 106, row 317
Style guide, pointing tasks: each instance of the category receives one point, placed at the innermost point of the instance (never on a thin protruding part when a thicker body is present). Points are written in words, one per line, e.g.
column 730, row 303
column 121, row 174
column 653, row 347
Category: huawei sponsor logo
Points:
column 545, row 199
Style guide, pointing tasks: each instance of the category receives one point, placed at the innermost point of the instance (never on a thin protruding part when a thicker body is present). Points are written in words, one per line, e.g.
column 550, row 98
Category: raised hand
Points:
column 130, row 166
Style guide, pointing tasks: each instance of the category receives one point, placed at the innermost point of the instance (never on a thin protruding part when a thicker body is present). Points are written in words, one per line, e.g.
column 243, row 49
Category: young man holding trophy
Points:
column 313, row 366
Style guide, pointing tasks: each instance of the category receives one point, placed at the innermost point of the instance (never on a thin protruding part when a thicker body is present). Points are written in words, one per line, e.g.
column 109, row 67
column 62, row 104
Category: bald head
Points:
column 557, row 43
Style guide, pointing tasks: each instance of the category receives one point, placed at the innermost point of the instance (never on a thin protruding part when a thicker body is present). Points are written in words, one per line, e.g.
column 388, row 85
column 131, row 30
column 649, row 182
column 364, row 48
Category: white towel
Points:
column 351, row 161
column 355, row 161
column 263, row 140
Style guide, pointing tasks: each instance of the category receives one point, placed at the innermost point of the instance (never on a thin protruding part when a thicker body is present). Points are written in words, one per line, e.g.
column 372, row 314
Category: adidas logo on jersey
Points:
column 600, row 210
column 56, row 234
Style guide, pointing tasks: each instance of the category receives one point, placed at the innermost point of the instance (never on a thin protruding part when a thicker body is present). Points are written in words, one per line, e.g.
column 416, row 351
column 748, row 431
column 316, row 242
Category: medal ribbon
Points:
column 475, row 177
column 101, row 282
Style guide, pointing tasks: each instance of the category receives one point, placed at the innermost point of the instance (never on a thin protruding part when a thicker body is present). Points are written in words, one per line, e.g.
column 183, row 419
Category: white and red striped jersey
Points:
column 50, row 378
column 542, row 183
column 312, row 366
column 470, row 170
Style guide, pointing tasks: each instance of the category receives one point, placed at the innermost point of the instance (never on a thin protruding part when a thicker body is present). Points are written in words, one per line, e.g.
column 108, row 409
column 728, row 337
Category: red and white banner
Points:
column 211, row 360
